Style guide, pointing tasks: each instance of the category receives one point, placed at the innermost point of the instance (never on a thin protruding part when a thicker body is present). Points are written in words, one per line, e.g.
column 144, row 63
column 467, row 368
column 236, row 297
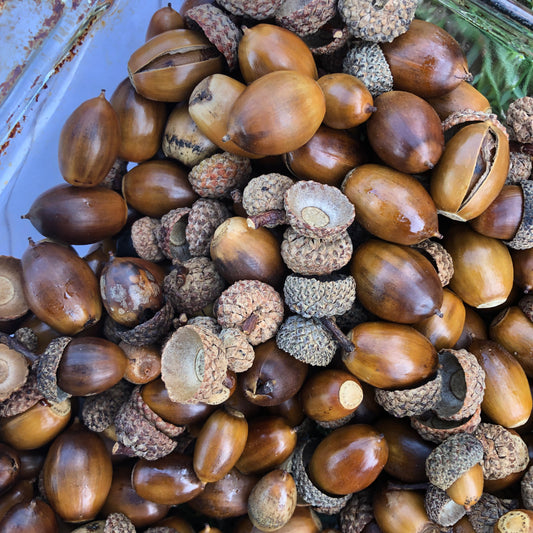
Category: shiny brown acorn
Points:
column 464, row 96
column 60, row 287
column 77, row 474
column 9, row 467
column 391, row 205
column 474, row 328
column 167, row 67
column 89, row 142
column 78, row 215
column 349, row 459
column 155, row 187
column 22, row 492
column 523, row 268
column 426, row 60
column 276, row 113
column 396, row 282
column 390, row 356
column 405, row 132
column 265, row 48
column 143, row 363
column 164, row 19
column 35, row 516
column 141, row 122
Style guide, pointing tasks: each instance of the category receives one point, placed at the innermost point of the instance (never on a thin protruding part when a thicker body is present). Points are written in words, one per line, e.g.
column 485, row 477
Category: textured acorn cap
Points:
column 23, row 398
column 304, row 17
column 118, row 523
column 319, row 297
column 452, row 458
column 239, row 352
column 441, row 508
column 160, row 529
column 463, row 384
column 357, row 513
column 523, row 238
column 377, row 21
column 430, row 427
column 13, row 371
column 207, row 322
column 307, row 340
column 27, row 337
column 254, row 307
column 312, row 256
column 504, row 452
column 329, row 44
column 367, row 62
column 258, row 9
column 12, row 301
column 193, row 364
column 467, row 115
column 46, row 368
column 318, row 210
column 205, row 216
column 171, row 234
column 520, row 119
column 334, row 424
column 439, row 257
column 486, row 512
column 520, row 167
column 526, row 488
column 92, row 527
column 144, row 240
column 410, row 402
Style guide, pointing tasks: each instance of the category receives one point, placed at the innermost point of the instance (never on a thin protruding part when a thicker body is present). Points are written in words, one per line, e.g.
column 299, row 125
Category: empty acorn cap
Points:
column 439, row 257
column 23, row 398
column 523, row 238
column 304, row 17
column 239, row 352
column 463, row 385
column 486, row 512
column 318, row 210
column 441, row 508
column 12, row 301
column 118, row 523
column 13, row 371
column 46, row 367
column 144, row 240
column 357, row 513
column 453, row 458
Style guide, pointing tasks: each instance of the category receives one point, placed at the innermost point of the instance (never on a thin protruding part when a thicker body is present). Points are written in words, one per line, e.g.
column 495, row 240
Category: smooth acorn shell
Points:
column 523, row 268
column 468, row 488
column 265, row 48
column 155, row 187
column 164, row 19
column 9, row 467
column 513, row 330
column 463, row 97
column 60, row 287
column 395, row 282
column 141, row 123
column 90, row 365
column 507, row 400
column 473, row 328
column 391, row 205
column 277, row 113
column 169, row 480
column 78, row 215
column 426, row 60
column 77, row 474
column 22, row 492
column 483, row 268
column 390, row 356
column 467, row 180
column 349, row 459
column 219, row 445
column 35, row 516
column 89, row 143
column 405, row 132
column 348, row 101
column 326, row 157
column 270, row 441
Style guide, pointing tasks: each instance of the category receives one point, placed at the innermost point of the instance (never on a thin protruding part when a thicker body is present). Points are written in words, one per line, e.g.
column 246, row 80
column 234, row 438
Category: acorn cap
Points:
column 312, row 256
column 441, row 508
column 304, row 17
column 319, row 297
column 439, row 257
column 307, row 340
column 118, row 523
column 219, row 29
column 12, row 301
column 486, row 512
column 452, row 458
column 504, row 452
column 193, row 364
column 357, row 314
column 526, row 488
column 520, row 167
column 334, row 424
column 265, row 192
column 253, row 306
column 463, row 384
column 523, row 238
column 23, row 398
column 318, row 210
column 205, row 322
column 13, row 371
column 357, row 513
column 467, row 115
column 430, row 427
column 410, row 402
column 239, row 352
column 205, row 216
column 329, row 44
column 27, row 337
column 144, row 240
column 520, row 119
column 171, row 234
column 377, row 21
column 160, row 529
column 258, row 10
column 367, row 62
column 91, row 527
column 46, row 368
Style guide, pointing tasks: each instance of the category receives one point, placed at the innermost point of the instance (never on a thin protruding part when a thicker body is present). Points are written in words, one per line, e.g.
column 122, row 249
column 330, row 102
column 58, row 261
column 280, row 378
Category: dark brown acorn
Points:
column 463, row 97
column 143, row 362
column 155, row 187
column 9, row 467
column 426, row 60
column 523, row 268
column 164, row 19
column 89, row 142
column 396, row 282
column 474, row 328
column 60, row 287
column 77, row 474
column 141, row 123
column 35, row 516
column 405, row 132
column 21, row 492
column 78, row 215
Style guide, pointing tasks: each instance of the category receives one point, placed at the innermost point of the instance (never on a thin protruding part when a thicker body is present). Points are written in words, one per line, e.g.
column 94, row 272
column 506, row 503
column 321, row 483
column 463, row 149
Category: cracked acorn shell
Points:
column 277, row 113
column 167, row 67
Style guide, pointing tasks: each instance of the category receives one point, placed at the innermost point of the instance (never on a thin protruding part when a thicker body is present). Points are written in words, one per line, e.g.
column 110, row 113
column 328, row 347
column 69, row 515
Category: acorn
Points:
column 60, row 287
column 474, row 328
column 9, row 467
column 415, row 358
column 13, row 304
column 396, row 282
column 164, row 19
column 177, row 522
column 21, row 492
column 349, row 459
column 405, row 132
column 276, row 113
column 143, row 363
column 391, row 205
column 89, row 142
column 523, row 268
column 14, row 371
column 35, row 516
column 266, row 48
column 77, row 474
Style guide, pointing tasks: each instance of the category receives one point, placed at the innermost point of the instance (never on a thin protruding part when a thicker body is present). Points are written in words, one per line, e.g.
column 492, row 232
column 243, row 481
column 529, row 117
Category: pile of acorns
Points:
column 305, row 308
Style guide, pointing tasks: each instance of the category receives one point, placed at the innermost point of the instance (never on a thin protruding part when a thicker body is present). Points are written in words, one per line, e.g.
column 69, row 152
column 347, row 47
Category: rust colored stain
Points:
column 13, row 76
column 16, row 129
